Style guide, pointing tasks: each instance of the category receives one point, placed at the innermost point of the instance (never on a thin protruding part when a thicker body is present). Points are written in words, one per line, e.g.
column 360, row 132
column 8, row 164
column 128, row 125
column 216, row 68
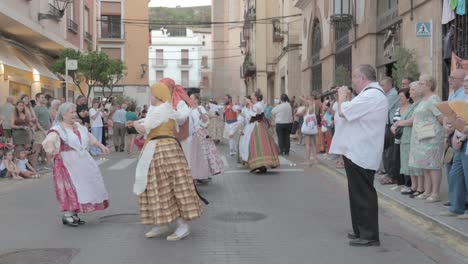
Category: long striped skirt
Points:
column 170, row 192
column 263, row 150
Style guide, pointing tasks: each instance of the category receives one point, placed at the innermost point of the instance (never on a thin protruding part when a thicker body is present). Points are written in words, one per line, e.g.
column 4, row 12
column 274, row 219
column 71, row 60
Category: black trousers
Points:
column 362, row 200
column 284, row 141
column 388, row 159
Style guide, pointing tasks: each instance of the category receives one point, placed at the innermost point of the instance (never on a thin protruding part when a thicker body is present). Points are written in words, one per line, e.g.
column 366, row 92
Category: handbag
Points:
column 309, row 126
column 139, row 142
column 426, row 132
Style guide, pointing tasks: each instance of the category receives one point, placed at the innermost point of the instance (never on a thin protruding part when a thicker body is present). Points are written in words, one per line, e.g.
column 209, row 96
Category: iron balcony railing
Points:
column 88, row 36
column 72, row 26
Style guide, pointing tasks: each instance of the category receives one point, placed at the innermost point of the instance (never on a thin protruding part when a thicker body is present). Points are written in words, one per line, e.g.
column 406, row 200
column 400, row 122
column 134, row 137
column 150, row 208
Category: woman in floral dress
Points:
column 427, row 140
column 205, row 158
column 79, row 186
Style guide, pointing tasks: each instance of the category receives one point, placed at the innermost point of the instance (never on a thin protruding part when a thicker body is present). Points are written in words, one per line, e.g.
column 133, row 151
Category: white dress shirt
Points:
column 361, row 134
column 283, row 113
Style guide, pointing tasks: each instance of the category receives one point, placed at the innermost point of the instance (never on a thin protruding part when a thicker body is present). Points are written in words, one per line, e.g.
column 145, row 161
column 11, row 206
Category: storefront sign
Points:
column 423, row 29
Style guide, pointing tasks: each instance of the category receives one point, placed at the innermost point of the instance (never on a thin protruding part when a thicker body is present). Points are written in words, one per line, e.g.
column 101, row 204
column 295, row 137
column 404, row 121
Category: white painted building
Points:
column 206, row 62
column 176, row 55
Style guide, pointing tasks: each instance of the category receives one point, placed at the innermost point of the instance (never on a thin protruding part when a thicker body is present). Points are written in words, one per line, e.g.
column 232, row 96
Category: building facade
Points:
column 32, row 35
column 206, row 62
column 371, row 34
column 273, row 70
column 227, row 54
column 121, row 39
column 176, row 57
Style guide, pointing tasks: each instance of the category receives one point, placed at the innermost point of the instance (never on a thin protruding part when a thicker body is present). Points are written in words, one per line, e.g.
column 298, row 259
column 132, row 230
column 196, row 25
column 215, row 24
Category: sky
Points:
column 183, row 3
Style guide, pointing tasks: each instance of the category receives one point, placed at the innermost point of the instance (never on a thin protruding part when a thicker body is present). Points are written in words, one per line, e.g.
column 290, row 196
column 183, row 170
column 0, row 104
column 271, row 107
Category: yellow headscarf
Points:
column 161, row 92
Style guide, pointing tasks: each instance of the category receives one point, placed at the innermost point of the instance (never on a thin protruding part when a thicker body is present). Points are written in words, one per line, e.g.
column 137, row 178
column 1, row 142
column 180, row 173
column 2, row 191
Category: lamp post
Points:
column 56, row 10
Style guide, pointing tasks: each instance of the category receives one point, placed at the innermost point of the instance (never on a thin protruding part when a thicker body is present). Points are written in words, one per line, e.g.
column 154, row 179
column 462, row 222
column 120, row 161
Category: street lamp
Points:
column 56, row 10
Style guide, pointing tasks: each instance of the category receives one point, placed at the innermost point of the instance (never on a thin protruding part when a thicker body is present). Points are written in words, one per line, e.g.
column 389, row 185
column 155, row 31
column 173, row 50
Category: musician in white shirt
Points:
column 363, row 119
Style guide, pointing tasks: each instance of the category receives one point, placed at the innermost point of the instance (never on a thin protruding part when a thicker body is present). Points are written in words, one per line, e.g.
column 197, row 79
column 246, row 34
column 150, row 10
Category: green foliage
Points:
column 405, row 65
column 199, row 14
column 94, row 68
column 342, row 76
column 119, row 99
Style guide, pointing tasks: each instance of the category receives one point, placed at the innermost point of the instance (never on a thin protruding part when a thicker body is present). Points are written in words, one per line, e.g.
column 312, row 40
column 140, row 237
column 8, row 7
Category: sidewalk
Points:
column 426, row 215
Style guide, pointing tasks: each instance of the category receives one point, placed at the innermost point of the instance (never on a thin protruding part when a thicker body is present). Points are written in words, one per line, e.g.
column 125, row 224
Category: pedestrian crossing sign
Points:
column 423, row 29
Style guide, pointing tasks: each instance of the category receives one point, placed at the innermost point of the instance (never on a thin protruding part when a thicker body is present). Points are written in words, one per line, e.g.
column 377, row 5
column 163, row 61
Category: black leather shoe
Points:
column 353, row 236
column 364, row 243
column 69, row 221
column 78, row 220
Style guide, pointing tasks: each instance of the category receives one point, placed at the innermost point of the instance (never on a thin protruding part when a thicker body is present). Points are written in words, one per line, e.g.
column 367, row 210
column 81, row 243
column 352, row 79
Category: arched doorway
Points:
column 316, row 63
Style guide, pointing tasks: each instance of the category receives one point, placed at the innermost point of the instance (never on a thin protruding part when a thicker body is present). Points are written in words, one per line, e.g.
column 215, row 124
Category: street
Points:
column 290, row 215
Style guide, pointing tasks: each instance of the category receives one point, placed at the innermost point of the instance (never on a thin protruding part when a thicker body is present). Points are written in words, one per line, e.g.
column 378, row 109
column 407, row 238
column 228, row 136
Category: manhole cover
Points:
column 240, row 217
column 40, row 256
column 120, row 218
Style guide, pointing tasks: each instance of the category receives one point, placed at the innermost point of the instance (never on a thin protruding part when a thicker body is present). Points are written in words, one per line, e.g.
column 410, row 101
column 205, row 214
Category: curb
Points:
column 455, row 238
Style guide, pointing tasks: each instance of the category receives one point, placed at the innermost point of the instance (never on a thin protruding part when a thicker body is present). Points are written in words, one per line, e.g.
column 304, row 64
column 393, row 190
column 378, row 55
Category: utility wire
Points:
column 193, row 23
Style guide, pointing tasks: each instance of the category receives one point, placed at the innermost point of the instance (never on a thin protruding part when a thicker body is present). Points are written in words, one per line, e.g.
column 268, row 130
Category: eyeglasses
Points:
column 451, row 78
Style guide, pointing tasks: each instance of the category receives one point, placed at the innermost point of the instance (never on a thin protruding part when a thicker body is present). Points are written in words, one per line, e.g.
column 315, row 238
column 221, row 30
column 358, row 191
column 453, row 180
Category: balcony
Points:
column 160, row 64
column 72, row 26
column 88, row 36
column 277, row 34
column 112, row 29
column 184, row 64
column 248, row 67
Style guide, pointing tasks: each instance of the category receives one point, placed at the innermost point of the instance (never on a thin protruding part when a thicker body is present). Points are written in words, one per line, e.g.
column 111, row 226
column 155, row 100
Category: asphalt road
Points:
column 290, row 215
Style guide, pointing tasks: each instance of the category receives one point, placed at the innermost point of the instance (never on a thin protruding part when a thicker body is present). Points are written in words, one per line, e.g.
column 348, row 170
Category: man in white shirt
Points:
column 283, row 120
column 363, row 120
column 95, row 116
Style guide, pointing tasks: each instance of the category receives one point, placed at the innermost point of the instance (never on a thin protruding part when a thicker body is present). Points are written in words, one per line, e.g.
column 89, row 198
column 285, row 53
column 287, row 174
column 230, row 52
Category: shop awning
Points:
column 34, row 63
column 8, row 57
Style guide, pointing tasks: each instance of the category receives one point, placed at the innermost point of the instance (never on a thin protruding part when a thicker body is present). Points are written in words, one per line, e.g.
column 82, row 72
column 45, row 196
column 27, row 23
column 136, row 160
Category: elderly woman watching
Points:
column 427, row 140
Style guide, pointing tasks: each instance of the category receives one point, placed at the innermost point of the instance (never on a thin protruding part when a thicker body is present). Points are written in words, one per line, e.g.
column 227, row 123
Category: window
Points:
column 204, row 62
column 159, row 75
column 159, row 57
column 113, row 53
column 203, row 43
column 71, row 11
column 184, row 57
column 111, row 26
column 386, row 5
column 86, row 20
column 316, row 63
column 111, row 16
column 185, row 78
column 72, row 26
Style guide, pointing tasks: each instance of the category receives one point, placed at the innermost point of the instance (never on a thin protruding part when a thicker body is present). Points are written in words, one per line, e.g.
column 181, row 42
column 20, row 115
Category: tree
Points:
column 342, row 76
column 405, row 65
column 59, row 66
column 94, row 69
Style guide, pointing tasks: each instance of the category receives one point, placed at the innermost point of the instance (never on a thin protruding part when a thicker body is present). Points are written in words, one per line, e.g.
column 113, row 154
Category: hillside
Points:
column 180, row 14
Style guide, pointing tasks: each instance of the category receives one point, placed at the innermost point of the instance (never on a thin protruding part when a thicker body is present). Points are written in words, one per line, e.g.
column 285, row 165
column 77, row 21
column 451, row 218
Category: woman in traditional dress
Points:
column 79, row 186
column 262, row 150
column 163, row 181
column 205, row 158
column 216, row 126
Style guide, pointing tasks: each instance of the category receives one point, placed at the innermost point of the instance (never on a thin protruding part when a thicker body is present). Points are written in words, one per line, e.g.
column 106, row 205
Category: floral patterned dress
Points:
column 79, row 186
column 427, row 153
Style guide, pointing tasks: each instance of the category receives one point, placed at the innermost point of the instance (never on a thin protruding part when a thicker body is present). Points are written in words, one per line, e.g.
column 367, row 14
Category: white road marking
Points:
column 284, row 161
column 223, row 158
column 99, row 162
column 122, row 164
column 271, row 170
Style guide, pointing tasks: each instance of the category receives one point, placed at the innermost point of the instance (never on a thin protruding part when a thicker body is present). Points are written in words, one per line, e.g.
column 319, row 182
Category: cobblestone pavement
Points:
column 290, row 215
